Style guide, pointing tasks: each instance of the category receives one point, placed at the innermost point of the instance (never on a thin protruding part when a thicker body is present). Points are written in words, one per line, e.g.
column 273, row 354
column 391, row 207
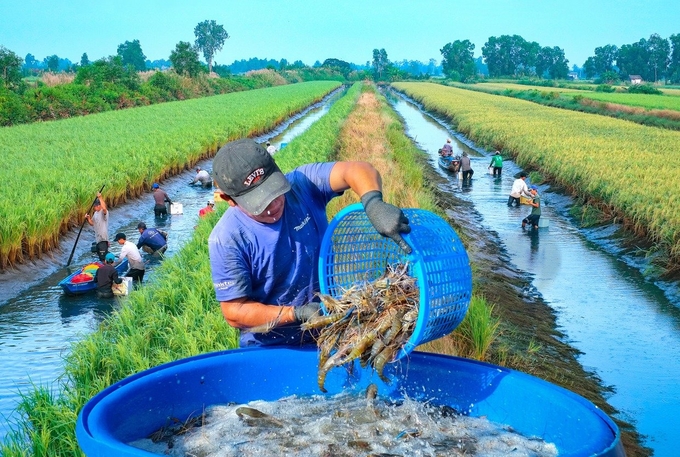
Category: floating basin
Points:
column 137, row 406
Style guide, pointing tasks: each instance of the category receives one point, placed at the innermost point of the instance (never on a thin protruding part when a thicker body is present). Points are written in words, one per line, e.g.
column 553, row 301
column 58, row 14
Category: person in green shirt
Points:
column 497, row 164
column 535, row 210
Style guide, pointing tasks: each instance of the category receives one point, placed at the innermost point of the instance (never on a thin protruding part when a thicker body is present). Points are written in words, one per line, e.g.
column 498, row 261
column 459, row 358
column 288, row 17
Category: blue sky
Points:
column 311, row 30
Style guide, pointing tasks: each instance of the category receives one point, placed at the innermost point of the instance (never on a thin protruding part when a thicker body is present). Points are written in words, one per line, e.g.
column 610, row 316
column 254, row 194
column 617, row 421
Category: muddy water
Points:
column 627, row 328
column 38, row 322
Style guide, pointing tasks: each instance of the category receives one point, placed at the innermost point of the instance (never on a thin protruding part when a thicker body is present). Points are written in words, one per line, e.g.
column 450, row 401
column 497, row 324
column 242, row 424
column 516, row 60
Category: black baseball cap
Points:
column 246, row 172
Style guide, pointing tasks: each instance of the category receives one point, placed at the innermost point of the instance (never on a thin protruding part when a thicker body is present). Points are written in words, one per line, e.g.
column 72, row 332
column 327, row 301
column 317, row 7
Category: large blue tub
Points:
column 141, row 404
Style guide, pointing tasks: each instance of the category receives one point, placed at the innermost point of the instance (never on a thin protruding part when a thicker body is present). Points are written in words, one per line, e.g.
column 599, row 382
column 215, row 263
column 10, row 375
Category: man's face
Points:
column 97, row 207
column 272, row 212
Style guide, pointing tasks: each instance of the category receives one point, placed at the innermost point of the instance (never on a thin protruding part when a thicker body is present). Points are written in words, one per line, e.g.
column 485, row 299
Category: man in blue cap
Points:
column 535, row 211
column 265, row 248
column 160, row 197
column 106, row 276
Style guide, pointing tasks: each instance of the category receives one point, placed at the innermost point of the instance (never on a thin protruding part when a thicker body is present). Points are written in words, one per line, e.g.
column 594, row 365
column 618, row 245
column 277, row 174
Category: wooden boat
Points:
column 449, row 163
column 79, row 283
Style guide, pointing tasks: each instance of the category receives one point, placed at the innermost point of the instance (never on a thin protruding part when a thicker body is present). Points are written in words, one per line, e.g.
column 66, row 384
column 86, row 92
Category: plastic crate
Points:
column 352, row 252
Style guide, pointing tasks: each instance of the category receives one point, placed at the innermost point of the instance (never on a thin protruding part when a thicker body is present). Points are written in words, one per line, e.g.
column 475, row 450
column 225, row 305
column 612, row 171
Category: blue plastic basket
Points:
column 352, row 252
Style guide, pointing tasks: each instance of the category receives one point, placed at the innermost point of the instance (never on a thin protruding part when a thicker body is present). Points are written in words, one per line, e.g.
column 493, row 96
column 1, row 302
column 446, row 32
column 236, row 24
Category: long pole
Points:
column 81, row 228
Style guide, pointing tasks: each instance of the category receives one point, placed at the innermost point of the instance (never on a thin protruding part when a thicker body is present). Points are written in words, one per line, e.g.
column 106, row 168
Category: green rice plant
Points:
column 50, row 171
column 479, row 328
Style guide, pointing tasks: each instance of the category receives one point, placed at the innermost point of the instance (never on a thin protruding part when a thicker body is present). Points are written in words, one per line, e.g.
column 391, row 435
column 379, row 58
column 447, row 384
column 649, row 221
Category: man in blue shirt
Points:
column 264, row 250
column 151, row 240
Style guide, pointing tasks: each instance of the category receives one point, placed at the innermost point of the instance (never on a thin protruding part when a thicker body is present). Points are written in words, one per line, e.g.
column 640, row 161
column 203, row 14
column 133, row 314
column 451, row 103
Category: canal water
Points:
column 38, row 322
column 627, row 328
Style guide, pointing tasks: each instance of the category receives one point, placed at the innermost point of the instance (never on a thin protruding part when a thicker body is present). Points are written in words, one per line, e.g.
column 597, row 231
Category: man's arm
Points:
column 361, row 177
column 245, row 313
column 365, row 181
column 103, row 203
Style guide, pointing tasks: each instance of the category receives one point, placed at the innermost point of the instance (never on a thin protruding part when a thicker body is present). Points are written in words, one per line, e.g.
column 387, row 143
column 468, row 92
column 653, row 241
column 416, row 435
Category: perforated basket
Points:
column 352, row 252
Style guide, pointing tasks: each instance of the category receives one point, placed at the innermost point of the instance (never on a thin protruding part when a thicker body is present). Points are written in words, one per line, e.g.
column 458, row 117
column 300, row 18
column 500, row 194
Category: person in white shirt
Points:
column 203, row 178
column 129, row 250
column 271, row 149
column 519, row 188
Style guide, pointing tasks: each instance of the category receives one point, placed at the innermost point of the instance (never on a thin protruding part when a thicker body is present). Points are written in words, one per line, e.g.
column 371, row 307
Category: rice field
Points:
column 627, row 166
column 669, row 101
column 51, row 171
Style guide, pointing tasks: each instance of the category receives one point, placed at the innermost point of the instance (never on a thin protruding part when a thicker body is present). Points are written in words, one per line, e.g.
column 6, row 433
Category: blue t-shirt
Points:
column 274, row 264
column 152, row 238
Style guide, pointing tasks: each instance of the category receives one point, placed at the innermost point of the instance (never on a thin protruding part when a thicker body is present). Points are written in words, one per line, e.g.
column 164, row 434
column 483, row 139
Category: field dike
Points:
column 177, row 316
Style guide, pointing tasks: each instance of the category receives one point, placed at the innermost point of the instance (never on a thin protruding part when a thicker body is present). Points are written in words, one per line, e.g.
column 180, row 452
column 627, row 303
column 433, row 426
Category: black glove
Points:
column 387, row 219
column 305, row 312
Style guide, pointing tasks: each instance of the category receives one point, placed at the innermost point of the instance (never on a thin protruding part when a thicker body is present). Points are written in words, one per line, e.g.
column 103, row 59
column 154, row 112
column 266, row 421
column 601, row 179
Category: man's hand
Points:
column 305, row 312
column 387, row 219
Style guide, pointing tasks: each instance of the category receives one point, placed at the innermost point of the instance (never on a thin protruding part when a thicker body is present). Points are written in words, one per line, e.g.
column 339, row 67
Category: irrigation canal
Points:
column 38, row 322
column 627, row 329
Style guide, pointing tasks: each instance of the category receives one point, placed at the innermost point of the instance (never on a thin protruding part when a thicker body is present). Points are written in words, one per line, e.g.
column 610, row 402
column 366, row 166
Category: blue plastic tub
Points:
column 352, row 252
column 141, row 404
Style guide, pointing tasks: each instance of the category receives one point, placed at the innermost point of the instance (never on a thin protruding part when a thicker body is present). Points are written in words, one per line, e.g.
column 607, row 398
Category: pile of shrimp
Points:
column 370, row 322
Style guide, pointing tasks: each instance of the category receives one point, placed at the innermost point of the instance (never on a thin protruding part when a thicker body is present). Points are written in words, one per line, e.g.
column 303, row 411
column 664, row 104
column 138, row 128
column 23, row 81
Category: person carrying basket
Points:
column 265, row 247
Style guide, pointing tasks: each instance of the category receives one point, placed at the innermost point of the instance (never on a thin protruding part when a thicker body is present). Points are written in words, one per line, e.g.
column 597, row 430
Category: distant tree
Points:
column 674, row 65
column 109, row 70
column 659, row 50
column 131, row 53
column 633, row 59
column 283, row 64
column 608, row 77
column 317, row 64
column 210, row 37
column 509, row 55
column 589, row 67
column 458, row 59
column 222, row 70
column 160, row 64
column 10, row 67
column 30, row 61
column 551, row 61
column 185, row 59
column 84, row 60
column 52, row 63
column 380, row 63
column 339, row 65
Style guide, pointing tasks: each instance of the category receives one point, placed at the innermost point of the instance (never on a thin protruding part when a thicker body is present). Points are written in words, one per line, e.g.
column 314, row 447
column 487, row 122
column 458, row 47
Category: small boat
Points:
column 82, row 280
column 449, row 163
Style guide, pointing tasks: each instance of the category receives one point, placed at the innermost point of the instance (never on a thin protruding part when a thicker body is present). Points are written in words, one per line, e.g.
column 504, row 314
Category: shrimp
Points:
column 385, row 356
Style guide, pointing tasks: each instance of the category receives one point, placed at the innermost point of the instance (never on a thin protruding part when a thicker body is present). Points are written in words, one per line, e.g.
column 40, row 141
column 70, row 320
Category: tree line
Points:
column 512, row 56
column 653, row 59
column 504, row 56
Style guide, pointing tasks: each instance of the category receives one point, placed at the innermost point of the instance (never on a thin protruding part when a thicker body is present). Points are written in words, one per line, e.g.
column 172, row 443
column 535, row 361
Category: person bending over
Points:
column 264, row 249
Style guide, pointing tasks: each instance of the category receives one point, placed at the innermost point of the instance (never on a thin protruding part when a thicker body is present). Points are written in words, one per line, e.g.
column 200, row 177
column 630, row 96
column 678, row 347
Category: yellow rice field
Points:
column 630, row 167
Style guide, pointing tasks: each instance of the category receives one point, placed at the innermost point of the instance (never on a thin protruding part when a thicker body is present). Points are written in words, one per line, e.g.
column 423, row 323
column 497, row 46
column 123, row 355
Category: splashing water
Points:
column 347, row 424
